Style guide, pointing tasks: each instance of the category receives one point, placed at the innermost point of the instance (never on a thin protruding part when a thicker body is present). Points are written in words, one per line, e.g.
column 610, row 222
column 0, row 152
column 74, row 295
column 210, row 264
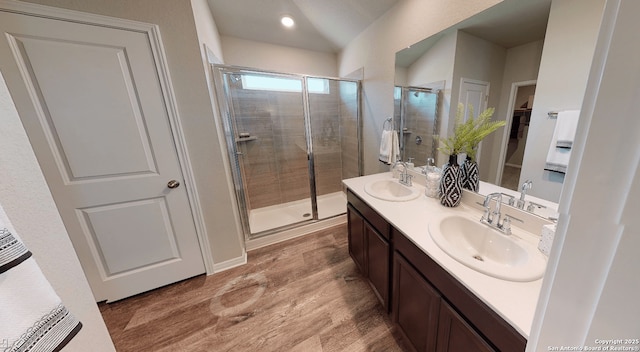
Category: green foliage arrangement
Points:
column 468, row 134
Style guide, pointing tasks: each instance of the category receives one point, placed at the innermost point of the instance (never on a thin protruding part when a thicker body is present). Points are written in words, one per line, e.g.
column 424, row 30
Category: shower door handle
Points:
column 173, row 184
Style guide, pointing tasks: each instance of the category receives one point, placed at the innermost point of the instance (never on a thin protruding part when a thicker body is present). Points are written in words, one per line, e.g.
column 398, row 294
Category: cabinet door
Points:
column 455, row 335
column 378, row 264
column 415, row 306
column 357, row 249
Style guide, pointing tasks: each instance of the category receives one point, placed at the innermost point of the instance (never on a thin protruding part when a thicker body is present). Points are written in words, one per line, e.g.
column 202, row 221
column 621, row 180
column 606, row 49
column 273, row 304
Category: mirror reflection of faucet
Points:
column 523, row 191
column 404, row 177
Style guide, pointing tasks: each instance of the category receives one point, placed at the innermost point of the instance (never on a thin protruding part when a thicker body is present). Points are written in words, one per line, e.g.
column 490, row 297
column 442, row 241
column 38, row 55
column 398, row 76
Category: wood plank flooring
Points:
column 300, row 295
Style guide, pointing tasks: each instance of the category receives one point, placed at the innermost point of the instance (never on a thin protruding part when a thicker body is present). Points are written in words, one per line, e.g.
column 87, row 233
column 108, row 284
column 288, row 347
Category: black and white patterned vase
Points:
column 450, row 183
column 470, row 175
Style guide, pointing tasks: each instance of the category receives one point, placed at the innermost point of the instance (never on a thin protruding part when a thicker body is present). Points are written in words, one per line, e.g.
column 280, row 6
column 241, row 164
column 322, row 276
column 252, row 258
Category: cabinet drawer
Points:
column 377, row 221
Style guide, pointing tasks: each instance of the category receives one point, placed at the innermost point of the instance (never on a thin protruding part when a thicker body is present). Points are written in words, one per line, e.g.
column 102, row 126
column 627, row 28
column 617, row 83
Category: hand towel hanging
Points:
column 33, row 316
column 389, row 143
column 562, row 141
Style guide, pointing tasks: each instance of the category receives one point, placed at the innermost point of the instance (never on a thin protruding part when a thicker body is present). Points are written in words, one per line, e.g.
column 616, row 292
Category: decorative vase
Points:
column 470, row 176
column 450, row 183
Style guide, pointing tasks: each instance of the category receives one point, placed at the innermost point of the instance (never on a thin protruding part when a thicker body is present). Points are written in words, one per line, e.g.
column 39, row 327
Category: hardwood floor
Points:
column 300, row 295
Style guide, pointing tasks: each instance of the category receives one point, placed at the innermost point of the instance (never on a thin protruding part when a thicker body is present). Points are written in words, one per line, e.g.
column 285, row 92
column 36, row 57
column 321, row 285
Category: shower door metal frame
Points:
column 228, row 123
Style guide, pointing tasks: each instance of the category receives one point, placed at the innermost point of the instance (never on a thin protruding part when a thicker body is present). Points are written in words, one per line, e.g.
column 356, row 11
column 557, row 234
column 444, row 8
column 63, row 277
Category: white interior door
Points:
column 474, row 93
column 91, row 102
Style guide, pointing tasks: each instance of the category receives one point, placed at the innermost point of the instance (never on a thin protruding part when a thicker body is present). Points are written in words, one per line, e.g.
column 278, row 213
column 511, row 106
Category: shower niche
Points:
column 291, row 140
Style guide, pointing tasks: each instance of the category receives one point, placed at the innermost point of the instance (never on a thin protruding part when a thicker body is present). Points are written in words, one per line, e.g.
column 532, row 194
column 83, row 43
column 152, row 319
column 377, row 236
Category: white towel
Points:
column 389, row 147
column 562, row 141
column 566, row 126
column 33, row 317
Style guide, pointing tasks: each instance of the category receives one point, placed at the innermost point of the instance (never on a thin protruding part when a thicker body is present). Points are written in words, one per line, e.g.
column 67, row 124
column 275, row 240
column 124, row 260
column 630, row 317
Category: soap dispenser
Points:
column 410, row 163
column 433, row 175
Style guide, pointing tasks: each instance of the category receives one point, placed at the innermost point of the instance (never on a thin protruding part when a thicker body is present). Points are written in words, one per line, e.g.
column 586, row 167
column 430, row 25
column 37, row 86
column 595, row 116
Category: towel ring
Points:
column 389, row 121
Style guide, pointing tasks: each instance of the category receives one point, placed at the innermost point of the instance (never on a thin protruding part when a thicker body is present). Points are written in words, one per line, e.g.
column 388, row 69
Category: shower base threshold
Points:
column 275, row 216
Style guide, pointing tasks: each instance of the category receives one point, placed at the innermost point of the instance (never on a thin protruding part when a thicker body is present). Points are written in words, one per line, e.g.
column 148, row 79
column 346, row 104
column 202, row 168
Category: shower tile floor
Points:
column 271, row 217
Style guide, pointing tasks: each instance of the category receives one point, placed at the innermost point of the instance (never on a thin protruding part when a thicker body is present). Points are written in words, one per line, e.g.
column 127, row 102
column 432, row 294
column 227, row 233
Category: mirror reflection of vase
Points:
column 451, row 183
column 470, row 175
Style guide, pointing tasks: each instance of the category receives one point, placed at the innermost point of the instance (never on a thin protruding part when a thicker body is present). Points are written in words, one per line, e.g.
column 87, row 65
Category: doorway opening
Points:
column 515, row 140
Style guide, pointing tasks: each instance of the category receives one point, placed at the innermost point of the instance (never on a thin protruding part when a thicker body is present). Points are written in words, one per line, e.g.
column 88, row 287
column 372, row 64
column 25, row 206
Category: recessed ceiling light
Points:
column 287, row 21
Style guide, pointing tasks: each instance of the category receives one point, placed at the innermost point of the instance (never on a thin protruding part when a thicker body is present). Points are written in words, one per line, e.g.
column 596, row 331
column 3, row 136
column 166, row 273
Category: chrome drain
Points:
column 478, row 257
column 306, row 215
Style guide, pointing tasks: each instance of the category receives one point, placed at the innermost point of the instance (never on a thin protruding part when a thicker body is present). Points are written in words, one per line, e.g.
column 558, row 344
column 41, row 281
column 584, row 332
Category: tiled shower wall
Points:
column 349, row 127
column 274, row 164
column 419, row 120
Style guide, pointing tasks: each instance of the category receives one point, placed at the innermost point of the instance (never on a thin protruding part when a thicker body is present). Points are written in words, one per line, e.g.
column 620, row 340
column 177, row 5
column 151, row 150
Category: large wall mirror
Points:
column 496, row 52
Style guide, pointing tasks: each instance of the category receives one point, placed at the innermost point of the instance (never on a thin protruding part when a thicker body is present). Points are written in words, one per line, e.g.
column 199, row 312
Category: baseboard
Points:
column 295, row 232
column 229, row 264
column 514, row 165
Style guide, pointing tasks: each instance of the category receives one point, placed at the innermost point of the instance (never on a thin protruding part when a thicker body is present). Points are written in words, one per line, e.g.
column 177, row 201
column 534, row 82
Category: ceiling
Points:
column 321, row 25
column 329, row 25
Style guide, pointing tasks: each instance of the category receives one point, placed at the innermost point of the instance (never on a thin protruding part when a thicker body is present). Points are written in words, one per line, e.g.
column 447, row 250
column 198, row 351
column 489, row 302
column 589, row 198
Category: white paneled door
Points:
column 476, row 94
column 95, row 111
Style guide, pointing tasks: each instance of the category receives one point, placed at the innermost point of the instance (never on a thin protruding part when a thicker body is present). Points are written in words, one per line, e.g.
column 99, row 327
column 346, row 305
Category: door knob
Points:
column 173, row 184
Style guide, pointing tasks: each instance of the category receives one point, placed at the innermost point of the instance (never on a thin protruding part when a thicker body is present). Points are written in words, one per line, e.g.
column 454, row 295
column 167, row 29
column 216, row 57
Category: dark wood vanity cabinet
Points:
column 429, row 307
column 416, row 306
column 378, row 250
column 355, row 224
column 369, row 247
column 425, row 319
column 456, row 335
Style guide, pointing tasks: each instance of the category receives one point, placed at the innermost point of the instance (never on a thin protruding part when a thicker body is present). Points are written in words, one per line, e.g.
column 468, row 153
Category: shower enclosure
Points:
column 291, row 140
column 416, row 117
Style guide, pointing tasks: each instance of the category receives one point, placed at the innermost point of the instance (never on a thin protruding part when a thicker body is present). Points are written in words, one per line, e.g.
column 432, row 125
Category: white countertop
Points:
column 515, row 302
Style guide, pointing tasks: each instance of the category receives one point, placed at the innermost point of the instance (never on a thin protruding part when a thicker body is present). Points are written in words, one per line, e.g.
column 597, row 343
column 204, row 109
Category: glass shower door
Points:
column 333, row 114
column 418, row 124
column 266, row 118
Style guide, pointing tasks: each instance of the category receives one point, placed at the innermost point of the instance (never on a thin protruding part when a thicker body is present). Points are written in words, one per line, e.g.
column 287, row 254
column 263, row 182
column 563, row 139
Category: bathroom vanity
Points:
column 435, row 302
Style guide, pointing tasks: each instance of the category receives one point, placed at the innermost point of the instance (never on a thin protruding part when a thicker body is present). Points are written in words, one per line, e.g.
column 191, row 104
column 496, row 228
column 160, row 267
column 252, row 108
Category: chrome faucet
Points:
column 404, row 178
column 492, row 218
column 489, row 217
column 523, row 191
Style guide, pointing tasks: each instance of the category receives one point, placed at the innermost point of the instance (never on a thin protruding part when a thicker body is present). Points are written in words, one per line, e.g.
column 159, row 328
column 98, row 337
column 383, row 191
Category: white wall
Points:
column 184, row 57
column 590, row 289
column 206, row 29
column 522, row 64
column 566, row 59
column 406, row 23
column 29, row 207
column 436, row 65
column 478, row 59
column 247, row 53
column 211, row 53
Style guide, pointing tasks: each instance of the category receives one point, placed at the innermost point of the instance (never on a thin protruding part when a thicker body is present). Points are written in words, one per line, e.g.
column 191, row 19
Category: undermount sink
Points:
column 391, row 190
column 486, row 250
